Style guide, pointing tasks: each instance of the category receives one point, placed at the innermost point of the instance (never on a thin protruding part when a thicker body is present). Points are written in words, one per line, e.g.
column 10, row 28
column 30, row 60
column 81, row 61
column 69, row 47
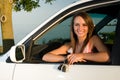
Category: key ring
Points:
column 64, row 67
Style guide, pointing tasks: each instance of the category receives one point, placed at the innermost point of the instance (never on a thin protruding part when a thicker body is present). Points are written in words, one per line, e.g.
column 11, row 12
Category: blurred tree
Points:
column 6, row 7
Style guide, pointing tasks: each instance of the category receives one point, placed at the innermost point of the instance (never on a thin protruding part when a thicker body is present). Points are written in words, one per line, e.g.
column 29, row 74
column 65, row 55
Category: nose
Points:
column 80, row 27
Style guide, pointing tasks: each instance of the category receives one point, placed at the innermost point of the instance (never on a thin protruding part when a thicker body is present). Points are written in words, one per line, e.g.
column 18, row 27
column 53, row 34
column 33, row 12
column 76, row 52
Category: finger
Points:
column 72, row 59
column 82, row 60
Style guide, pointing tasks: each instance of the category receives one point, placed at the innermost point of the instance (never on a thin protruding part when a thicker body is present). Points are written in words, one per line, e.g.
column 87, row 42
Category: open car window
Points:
column 58, row 34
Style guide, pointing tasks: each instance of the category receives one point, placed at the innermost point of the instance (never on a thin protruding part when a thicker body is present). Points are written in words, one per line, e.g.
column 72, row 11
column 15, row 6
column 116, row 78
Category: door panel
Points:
column 76, row 72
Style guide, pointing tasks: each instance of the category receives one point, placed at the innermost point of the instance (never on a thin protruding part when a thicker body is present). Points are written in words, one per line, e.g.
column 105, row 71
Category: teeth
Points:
column 80, row 32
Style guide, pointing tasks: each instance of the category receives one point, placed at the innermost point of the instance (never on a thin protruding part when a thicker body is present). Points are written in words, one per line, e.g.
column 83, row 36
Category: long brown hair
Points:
column 90, row 25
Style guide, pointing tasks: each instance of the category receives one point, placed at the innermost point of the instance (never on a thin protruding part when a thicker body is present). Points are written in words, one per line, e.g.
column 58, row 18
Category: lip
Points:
column 80, row 32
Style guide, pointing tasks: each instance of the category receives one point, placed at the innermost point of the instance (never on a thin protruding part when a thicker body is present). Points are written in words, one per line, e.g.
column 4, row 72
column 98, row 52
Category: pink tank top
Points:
column 87, row 49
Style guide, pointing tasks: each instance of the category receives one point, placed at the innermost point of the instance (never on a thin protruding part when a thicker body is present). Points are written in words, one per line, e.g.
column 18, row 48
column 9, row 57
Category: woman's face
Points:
column 80, row 27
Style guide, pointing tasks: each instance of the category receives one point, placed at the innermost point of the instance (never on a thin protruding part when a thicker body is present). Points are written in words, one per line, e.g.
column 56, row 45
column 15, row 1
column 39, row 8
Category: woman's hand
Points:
column 74, row 57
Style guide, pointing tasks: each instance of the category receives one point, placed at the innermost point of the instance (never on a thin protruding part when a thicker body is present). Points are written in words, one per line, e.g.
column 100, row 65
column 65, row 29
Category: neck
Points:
column 81, row 39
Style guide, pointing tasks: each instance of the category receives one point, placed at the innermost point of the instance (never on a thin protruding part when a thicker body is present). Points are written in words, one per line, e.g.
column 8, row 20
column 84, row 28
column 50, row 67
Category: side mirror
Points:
column 17, row 53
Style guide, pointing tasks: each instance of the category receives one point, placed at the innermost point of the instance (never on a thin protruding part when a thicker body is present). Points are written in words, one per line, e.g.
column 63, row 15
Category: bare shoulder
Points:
column 97, row 41
column 95, row 37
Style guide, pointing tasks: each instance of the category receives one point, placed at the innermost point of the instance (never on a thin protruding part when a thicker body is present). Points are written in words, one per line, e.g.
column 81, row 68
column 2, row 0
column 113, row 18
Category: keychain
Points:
column 64, row 67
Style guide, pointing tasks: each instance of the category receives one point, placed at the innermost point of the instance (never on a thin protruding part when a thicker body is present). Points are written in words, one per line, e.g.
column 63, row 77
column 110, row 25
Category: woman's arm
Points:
column 56, row 55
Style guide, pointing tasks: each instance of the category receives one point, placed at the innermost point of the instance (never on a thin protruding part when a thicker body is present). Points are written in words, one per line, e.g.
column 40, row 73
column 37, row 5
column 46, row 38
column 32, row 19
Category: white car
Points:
column 23, row 61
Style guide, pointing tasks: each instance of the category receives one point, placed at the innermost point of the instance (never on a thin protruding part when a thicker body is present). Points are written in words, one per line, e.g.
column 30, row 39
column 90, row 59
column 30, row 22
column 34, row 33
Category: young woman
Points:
column 82, row 44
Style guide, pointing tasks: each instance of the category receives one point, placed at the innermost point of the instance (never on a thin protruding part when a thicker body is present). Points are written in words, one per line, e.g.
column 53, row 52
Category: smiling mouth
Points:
column 80, row 32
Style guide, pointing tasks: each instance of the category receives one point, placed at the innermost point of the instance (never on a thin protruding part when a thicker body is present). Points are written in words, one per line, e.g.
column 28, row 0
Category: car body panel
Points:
column 75, row 72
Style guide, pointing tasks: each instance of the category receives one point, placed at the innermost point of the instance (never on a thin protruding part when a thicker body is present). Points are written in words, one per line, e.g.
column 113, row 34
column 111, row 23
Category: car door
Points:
column 54, row 33
column 76, row 72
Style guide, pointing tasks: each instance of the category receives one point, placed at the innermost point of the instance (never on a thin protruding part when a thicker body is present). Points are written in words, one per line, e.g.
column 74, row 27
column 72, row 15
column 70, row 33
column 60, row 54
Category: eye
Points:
column 76, row 24
column 84, row 25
